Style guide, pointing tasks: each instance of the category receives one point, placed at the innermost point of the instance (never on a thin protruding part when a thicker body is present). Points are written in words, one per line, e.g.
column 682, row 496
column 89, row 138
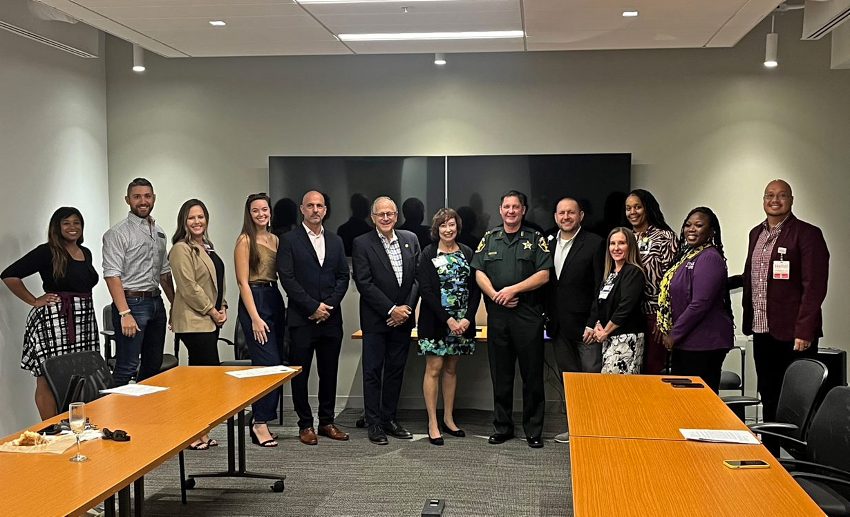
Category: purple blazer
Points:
column 793, row 305
column 700, row 321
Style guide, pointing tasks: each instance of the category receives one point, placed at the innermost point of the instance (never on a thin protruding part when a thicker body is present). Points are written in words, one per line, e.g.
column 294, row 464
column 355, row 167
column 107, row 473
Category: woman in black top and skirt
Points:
column 62, row 320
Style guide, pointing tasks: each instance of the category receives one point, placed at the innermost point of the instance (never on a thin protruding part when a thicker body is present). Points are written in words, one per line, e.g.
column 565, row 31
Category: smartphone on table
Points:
column 746, row 464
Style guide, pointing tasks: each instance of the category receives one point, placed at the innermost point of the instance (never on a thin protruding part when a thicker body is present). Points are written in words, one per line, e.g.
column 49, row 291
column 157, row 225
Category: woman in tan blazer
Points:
column 199, row 309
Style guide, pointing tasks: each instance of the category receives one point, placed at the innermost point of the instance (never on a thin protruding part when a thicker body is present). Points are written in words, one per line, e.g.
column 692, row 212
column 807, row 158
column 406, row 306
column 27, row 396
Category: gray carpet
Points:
column 358, row 478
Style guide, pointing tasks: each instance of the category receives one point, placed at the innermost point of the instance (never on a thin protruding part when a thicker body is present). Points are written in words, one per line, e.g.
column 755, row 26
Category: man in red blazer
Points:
column 785, row 280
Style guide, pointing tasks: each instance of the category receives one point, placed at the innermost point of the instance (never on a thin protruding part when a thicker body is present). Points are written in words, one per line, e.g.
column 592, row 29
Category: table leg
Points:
column 124, row 502
column 139, row 496
column 109, row 506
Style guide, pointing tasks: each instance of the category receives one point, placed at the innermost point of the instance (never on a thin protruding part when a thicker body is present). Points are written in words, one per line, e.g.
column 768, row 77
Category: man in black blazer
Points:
column 314, row 273
column 579, row 258
column 384, row 263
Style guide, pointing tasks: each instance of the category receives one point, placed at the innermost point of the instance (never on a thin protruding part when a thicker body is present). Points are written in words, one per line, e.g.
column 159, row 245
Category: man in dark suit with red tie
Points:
column 384, row 264
column 785, row 280
column 314, row 273
column 579, row 258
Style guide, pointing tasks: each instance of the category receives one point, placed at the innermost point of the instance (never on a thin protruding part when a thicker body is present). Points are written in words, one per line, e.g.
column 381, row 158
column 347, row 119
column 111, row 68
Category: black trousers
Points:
column 516, row 335
column 703, row 363
column 574, row 355
column 384, row 358
column 326, row 341
column 202, row 347
column 772, row 358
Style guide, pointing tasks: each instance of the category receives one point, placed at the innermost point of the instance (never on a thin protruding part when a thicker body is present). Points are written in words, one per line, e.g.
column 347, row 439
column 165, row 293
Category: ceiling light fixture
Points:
column 218, row 23
column 771, row 48
column 439, row 59
column 138, row 58
column 410, row 36
column 629, row 14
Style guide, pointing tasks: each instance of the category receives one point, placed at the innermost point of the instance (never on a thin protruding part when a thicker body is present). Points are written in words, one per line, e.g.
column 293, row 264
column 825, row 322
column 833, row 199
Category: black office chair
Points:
column 76, row 377
column 168, row 361
column 801, row 390
column 825, row 473
column 731, row 381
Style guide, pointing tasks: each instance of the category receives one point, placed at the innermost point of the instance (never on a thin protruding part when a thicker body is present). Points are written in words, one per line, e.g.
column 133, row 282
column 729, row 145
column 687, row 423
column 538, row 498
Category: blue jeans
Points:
column 270, row 307
column 148, row 342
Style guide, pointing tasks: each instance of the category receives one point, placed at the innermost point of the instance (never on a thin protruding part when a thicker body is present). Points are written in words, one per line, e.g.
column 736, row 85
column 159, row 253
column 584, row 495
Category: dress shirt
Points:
column 393, row 249
column 318, row 242
column 562, row 249
column 134, row 251
column 761, row 268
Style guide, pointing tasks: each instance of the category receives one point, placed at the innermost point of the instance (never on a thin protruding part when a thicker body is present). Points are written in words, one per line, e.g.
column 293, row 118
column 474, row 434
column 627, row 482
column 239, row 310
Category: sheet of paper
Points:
column 259, row 372
column 719, row 435
column 135, row 390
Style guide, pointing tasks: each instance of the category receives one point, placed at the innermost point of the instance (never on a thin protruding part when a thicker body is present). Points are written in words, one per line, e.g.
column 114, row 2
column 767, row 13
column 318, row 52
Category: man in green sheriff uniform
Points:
column 512, row 263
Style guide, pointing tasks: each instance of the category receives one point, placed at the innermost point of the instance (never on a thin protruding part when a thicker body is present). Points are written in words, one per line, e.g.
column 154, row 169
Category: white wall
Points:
column 704, row 126
column 53, row 147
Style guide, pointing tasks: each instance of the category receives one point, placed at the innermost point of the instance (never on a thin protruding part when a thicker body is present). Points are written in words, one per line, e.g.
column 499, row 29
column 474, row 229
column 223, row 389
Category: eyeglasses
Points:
column 385, row 215
column 779, row 197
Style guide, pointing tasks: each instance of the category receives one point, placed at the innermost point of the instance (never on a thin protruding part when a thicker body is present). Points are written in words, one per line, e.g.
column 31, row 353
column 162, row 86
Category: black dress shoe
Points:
column 535, row 442
column 499, row 438
column 395, row 430
column 377, row 436
column 457, row 434
column 435, row 441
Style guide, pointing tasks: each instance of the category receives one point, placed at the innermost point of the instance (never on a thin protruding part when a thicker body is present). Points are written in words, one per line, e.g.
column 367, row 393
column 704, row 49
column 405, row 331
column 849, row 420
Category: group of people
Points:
column 644, row 300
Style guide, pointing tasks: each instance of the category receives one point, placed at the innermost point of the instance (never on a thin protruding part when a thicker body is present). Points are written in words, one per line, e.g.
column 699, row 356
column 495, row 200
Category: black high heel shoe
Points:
column 457, row 434
column 256, row 441
column 435, row 441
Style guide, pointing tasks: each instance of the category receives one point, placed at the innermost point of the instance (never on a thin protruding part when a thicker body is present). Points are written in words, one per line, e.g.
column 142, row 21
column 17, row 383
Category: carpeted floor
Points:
column 358, row 478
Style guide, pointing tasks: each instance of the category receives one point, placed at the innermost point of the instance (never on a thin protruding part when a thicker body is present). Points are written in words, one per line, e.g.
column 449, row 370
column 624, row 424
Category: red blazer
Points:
column 793, row 305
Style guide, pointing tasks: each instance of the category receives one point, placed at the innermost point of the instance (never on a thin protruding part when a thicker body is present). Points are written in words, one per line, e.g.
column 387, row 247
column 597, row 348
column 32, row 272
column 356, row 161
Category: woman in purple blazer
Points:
column 695, row 313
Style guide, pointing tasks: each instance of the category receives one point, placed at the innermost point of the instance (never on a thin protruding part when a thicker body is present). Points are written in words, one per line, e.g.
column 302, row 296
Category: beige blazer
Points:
column 196, row 288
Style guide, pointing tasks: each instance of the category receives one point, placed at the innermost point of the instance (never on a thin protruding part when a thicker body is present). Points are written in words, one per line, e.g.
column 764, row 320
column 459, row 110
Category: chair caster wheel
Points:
column 189, row 484
column 278, row 486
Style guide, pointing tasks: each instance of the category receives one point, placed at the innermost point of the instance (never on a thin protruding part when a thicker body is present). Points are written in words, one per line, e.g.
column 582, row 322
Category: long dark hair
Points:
column 651, row 208
column 182, row 232
column 249, row 230
column 715, row 240
column 55, row 241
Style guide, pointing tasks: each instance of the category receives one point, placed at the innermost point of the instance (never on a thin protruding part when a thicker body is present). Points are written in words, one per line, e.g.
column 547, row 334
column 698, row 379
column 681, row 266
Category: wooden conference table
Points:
column 628, row 457
column 160, row 425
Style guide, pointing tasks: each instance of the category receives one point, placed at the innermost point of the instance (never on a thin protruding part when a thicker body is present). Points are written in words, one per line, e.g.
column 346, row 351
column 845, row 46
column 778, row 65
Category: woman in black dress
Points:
column 62, row 319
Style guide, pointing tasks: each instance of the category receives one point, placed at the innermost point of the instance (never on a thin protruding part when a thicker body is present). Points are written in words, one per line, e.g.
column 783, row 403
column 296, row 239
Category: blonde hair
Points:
column 632, row 257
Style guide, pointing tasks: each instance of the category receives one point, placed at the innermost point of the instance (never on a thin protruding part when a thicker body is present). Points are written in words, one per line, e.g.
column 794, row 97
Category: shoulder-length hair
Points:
column 182, row 233
column 249, row 229
column 442, row 216
column 632, row 257
column 652, row 209
column 55, row 241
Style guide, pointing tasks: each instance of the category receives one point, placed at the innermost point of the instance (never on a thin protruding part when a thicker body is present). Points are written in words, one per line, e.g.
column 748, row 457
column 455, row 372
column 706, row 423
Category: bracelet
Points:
column 124, row 313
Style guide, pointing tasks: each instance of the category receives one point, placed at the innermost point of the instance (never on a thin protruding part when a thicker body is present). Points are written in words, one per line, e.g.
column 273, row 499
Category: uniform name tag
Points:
column 439, row 261
column 781, row 270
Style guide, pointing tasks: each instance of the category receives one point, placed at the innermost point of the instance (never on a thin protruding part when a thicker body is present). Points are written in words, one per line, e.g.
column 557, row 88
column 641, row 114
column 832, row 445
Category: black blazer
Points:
column 623, row 305
column 432, row 315
column 306, row 282
column 571, row 298
column 376, row 281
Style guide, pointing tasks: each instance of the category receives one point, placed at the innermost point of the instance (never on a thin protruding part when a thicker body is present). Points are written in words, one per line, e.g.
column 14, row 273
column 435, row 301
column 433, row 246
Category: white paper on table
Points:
column 135, row 390
column 719, row 436
column 259, row 372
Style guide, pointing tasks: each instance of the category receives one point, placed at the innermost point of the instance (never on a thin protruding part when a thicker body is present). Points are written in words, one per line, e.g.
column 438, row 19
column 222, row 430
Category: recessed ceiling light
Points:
column 439, row 59
column 217, row 23
column 408, row 36
column 630, row 14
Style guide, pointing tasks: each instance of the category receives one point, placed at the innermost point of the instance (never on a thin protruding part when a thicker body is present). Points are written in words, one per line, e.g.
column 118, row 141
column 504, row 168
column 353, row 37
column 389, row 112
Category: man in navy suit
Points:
column 785, row 279
column 579, row 258
column 384, row 263
column 314, row 273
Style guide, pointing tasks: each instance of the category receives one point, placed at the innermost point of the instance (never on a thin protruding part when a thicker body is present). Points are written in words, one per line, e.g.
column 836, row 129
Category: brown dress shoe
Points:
column 332, row 432
column 308, row 436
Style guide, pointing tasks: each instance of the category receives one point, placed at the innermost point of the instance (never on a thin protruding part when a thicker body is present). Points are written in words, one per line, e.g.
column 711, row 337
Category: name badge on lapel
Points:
column 781, row 270
column 606, row 290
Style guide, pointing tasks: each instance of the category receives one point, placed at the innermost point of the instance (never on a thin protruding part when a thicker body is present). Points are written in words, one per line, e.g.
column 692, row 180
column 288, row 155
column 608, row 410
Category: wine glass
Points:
column 77, row 422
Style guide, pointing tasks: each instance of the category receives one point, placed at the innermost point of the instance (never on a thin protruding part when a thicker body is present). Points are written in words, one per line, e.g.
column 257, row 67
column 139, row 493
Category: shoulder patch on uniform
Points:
column 543, row 244
column 481, row 244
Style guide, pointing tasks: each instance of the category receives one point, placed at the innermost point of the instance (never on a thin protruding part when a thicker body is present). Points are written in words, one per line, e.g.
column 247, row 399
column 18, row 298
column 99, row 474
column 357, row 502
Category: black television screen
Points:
column 470, row 184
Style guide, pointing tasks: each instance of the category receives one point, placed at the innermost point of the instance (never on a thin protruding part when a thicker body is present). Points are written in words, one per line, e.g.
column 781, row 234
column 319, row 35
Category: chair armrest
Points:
column 828, row 480
column 782, row 437
column 737, row 400
column 229, row 342
column 107, row 333
column 811, row 468
column 771, row 425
